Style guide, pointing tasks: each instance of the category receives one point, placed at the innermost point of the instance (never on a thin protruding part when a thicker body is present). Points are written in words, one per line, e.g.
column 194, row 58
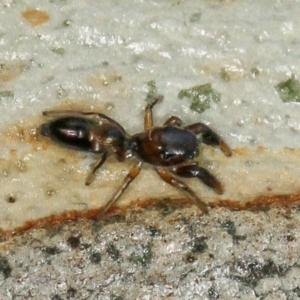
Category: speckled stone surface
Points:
column 162, row 252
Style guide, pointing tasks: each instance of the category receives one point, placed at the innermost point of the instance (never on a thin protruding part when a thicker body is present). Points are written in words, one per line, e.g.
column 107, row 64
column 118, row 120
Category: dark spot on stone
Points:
column 113, row 252
column 152, row 231
column 95, row 257
column 114, row 297
column 237, row 238
column 115, row 219
column 255, row 71
column 189, row 258
column 262, row 208
column 54, row 230
column 84, row 246
column 212, row 293
column 67, row 23
column 11, row 199
column 164, row 206
column 195, row 17
column 71, row 293
column 290, row 238
column 282, row 270
column 5, row 267
column 97, row 226
column 143, row 256
column 56, row 297
column 297, row 291
column 73, row 241
column 50, row 192
column 50, row 250
column 229, row 227
column 269, row 269
column 198, row 244
column 250, row 271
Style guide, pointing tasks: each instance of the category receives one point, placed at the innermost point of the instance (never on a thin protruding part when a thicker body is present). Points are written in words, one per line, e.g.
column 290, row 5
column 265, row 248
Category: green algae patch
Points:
column 289, row 90
column 201, row 96
column 59, row 50
column 6, row 95
column 152, row 92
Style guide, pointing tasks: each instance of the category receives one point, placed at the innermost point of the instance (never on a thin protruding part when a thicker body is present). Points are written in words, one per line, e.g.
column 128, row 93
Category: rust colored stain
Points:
column 35, row 17
column 257, row 204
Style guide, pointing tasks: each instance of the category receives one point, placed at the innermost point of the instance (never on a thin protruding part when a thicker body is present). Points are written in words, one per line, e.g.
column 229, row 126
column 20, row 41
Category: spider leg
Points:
column 133, row 173
column 194, row 171
column 209, row 137
column 167, row 177
column 91, row 176
column 59, row 113
column 148, row 119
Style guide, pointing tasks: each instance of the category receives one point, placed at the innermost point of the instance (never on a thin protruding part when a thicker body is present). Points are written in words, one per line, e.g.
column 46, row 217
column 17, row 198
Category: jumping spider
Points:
column 170, row 149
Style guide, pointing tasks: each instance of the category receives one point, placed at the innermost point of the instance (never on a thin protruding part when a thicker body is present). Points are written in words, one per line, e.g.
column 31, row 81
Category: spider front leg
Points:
column 148, row 119
column 167, row 177
column 194, row 171
column 209, row 137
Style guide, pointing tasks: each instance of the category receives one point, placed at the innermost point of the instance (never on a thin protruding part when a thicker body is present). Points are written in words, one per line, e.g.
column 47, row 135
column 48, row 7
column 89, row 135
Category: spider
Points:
column 170, row 149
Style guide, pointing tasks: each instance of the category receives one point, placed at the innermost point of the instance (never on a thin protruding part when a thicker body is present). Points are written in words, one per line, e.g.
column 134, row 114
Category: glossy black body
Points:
column 72, row 132
column 165, row 146
column 87, row 134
